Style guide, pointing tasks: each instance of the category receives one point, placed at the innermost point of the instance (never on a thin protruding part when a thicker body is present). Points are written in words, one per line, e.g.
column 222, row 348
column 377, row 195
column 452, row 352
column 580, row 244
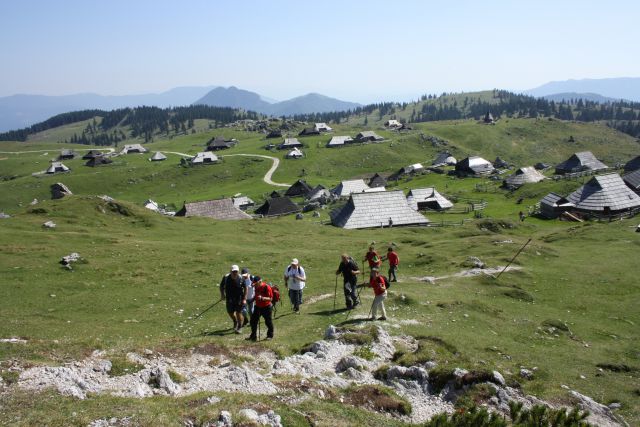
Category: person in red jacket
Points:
column 394, row 260
column 372, row 258
column 379, row 286
column 263, row 307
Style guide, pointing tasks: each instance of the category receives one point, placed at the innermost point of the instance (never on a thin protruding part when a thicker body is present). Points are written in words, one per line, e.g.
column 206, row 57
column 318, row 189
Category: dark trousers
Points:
column 296, row 298
column 350, row 295
column 392, row 273
column 255, row 318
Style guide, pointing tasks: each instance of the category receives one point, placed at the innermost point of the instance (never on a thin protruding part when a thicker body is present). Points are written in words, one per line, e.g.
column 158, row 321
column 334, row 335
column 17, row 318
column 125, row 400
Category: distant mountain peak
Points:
column 616, row 88
column 305, row 104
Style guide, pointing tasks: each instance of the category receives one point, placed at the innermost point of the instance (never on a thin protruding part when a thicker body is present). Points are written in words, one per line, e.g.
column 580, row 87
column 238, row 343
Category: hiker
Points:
column 294, row 280
column 394, row 260
column 349, row 270
column 247, row 309
column 372, row 258
column 263, row 308
column 379, row 285
column 233, row 291
column 521, row 215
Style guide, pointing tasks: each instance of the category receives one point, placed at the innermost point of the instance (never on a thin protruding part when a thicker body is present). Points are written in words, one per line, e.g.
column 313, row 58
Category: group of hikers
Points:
column 249, row 298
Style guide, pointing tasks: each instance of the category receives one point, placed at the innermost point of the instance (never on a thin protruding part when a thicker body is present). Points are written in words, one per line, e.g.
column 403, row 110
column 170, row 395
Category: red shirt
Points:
column 393, row 258
column 263, row 291
column 378, row 285
column 373, row 258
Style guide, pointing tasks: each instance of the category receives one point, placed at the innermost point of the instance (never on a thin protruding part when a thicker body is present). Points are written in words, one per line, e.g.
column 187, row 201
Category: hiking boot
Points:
column 355, row 304
column 237, row 331
column 244, row 323
column 382, row 318
column 235, row 324
column 269, row 338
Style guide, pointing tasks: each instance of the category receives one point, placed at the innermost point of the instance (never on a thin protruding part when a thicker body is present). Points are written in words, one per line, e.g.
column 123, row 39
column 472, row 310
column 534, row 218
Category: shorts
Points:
column 234, row 305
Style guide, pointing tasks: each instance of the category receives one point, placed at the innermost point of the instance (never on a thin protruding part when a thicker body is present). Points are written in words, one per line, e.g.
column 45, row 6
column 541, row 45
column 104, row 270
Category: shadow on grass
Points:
column 329, row 312
column 219, row 332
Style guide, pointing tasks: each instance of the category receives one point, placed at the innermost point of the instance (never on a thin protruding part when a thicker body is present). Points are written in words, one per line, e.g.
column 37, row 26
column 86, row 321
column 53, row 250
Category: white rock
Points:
column 499, row 379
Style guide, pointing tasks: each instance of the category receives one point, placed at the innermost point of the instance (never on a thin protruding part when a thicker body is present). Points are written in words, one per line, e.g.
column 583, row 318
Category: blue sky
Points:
column 355, row 50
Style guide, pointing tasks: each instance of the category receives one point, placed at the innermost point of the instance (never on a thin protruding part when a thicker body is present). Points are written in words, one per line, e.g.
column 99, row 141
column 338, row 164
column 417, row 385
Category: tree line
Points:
column 143, row 122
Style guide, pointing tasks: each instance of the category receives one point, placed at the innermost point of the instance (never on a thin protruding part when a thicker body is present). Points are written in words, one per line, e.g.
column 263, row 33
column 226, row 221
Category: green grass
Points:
column 145, row 274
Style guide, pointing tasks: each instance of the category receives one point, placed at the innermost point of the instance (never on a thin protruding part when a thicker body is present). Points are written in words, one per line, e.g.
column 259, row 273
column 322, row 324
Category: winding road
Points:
column 267, row 176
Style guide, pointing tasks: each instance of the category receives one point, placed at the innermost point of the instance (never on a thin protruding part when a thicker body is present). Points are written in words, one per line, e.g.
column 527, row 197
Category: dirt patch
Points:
column 378, row 398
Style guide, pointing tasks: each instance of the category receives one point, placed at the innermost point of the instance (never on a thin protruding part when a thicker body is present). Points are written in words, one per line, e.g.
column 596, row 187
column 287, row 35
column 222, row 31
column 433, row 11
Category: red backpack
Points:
column 276, row 293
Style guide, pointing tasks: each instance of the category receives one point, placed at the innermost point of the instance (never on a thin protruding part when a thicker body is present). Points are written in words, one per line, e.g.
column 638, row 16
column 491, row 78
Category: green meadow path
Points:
column 267, row 176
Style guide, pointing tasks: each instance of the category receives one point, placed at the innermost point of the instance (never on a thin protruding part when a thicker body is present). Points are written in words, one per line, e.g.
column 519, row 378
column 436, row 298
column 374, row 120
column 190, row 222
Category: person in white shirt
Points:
column 294, row 279
column 247, row 310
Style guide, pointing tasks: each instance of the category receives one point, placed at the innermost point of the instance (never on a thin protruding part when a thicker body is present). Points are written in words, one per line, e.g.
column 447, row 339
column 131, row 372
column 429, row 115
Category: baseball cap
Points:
column 245, row 270
column 294, row 261
column 235, row 268
column 255, row 279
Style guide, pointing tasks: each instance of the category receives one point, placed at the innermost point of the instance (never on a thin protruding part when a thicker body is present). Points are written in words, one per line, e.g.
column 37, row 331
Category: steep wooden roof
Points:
column 369, row 210
column 222, row 209
column 604, row 191
column 581, row 161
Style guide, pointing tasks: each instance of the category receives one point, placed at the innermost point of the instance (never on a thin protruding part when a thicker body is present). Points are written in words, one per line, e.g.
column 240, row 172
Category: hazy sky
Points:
column 354, row 50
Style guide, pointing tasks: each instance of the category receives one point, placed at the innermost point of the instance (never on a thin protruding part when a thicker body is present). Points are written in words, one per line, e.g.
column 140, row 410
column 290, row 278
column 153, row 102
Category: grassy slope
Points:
column 142, row 269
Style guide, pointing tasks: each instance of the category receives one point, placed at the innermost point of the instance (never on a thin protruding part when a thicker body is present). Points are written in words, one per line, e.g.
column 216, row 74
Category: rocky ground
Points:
column 328, row 365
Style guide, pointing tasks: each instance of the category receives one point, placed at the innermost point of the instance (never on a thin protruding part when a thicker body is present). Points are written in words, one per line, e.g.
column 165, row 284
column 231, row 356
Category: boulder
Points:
column 350, row 362
column 498, row 378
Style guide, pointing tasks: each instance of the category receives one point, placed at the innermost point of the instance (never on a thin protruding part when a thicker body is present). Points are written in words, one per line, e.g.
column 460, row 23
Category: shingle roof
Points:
column 474, row 164
column 368, row 135
column 604, row 191
column 204, row 157
column 523, row 176
column 352, row 186
column 243, row 202
column 632, row 165
column 420, row 198
column 368, row 210
column 377, row 180
column 323, row 127
column 338, row 141
column 278, row 206
column 583, row 160
column 133, row 148
column 309, row 131
column 219, row 143
column 319, row 192
column 158, row 156
column 98, row 161
column 290, row 143
column 55, row 167
column 632, row 179
column 222, row 209
column 295, row 153
column 444, row 159
column 91, row 154
column 299, row 188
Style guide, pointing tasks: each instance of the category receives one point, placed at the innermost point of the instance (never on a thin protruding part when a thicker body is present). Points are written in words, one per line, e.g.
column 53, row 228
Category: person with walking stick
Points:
column 294, row 279
column 349, row 270
column 233, row 291
column 263, row 308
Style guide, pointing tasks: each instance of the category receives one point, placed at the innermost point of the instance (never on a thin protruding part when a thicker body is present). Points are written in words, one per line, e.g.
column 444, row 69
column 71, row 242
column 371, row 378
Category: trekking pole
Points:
column 207, row 309
column 514, row 257
column 335, row 293
column 259, row 321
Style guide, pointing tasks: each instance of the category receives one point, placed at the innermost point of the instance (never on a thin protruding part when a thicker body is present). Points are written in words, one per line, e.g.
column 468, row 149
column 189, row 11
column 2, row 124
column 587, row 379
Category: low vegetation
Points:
column 570, row 312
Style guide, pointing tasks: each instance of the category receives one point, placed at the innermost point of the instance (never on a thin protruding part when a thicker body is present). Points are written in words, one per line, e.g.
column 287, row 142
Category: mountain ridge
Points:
column 247, row 100
column 627, row 88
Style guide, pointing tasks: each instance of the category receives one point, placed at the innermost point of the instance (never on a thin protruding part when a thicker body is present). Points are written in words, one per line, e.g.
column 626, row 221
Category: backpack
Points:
column 387, row 283
column 276, row 293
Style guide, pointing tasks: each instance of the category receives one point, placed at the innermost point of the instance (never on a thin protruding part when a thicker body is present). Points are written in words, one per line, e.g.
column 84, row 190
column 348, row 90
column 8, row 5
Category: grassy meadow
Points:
column 570, row 307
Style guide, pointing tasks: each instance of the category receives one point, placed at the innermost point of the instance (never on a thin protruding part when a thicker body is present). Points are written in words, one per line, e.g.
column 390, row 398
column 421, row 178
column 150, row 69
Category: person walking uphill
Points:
column 263, row 308
column 372, row 258
column 394, row 260
column 379, row 285
column 294, row 279
column 233, row 291
column 350, row 271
